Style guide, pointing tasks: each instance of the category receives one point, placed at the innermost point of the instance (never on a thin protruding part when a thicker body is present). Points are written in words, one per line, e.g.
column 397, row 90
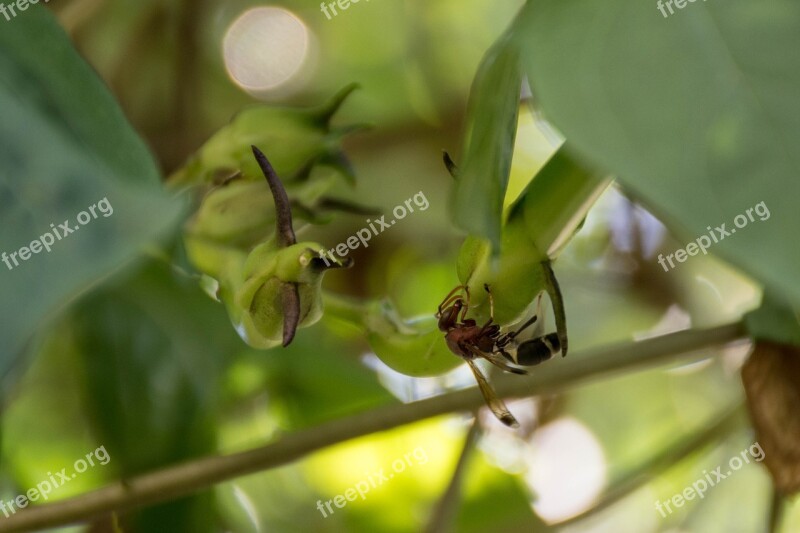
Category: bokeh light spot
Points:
column 265, row 48
column 567, row 470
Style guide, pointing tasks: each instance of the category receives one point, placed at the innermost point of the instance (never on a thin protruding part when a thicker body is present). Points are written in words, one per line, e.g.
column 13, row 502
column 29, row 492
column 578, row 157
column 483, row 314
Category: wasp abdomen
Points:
column 539, row 350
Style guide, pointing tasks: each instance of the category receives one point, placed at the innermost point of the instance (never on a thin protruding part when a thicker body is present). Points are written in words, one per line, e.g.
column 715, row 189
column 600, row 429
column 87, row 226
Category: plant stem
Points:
column 445, row 510
column 775, row 511
column 344, row 308
column 176, row 481
column 714, row 431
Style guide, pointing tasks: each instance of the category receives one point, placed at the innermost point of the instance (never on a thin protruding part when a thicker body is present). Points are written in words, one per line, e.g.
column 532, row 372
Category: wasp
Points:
column 468, row 340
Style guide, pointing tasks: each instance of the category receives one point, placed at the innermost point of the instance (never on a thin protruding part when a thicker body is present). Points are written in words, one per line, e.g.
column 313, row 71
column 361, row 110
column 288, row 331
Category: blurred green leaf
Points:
column 64, row 146
column 317, row 379
column 41, row 411
column 694, row 113
column 501, row 505
column 491, row 129
column 153, row 352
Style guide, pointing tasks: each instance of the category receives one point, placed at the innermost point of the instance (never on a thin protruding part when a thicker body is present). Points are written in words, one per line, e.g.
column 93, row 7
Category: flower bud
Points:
column 256, row 301
column 414, row 348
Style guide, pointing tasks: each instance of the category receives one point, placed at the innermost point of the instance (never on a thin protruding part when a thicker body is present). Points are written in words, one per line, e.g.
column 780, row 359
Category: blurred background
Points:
column 170, row 380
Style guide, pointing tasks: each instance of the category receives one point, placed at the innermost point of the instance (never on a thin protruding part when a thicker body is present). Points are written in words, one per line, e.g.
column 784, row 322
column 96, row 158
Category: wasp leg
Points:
column 491, row 300
column 497, row 361
column 557, row 301
column 466, row 303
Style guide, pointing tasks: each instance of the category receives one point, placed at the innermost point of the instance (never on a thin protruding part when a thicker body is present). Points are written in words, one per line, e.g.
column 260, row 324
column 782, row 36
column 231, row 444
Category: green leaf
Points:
column 316, row 380
column 491, row 129
column 64, row 146
column 774, row 321
column 153, row 352
column 556, row 201
column 542, row 220
column 694, row 113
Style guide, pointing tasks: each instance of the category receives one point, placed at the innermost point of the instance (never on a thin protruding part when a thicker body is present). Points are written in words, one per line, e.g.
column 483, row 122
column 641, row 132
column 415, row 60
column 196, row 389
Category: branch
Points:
column 445, row 510
column 775, row 510
column 193, row 476
column 667, row 458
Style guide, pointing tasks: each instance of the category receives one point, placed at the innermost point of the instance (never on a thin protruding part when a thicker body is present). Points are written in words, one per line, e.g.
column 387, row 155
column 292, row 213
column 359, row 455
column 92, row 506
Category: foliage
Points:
column 138, row 317
column 76, row 148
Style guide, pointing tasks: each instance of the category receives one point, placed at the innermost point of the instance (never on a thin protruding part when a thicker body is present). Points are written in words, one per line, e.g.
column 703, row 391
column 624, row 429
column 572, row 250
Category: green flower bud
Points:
column 257, row 304
column 297, row 139
column 414, row 348
column 273, row 289
column 241, row 214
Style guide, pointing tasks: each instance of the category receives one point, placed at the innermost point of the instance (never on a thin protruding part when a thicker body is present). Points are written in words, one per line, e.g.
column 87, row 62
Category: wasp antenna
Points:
column 283, row 210
column 450, row 164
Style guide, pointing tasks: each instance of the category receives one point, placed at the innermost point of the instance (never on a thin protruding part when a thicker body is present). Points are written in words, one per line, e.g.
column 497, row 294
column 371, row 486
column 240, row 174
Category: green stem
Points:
column 187, row 478
column 344, row 308
column 775, row 511
column 675, row 452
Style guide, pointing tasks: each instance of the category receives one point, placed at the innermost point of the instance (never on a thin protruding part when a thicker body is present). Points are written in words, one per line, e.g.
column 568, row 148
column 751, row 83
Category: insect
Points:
column 468, row 340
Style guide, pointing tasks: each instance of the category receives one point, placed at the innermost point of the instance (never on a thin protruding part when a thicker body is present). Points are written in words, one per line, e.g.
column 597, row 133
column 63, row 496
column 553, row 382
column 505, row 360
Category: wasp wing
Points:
column 495, row 404
column 500, row 362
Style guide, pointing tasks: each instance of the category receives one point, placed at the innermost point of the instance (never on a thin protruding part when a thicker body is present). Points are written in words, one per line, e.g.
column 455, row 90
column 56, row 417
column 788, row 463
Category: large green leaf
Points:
column 64, row 146
column 491, row 130
column 695, row 113
column 774, row 321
